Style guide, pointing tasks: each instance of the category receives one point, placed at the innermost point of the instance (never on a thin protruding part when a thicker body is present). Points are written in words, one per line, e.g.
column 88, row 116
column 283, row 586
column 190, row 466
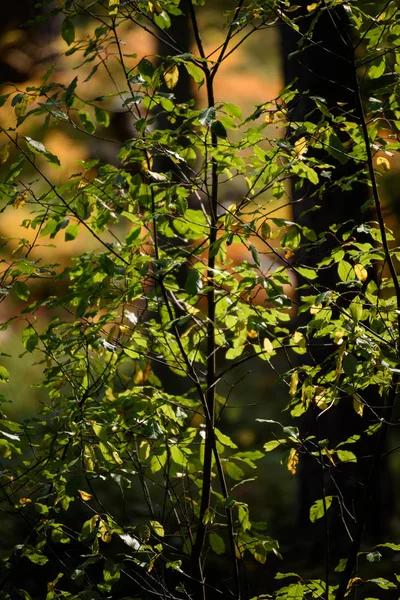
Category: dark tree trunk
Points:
column 325, row 69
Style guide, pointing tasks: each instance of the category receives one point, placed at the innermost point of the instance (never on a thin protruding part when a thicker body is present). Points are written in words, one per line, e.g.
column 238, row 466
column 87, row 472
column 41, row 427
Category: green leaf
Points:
column 341, row 565
column 292, row 238
column 350, row 365
column 345, row 271
column 346, row 456
column 71, row 232
column 219, row 129
column 3, row 374
column 86, row 121
column 22, row 290
column 102, row 116
column 68, row 31
column 194, row 282
column 111, row 571
column 217, row 543
column 390, row 545
column 195, row 72
column 30, row 338
column 207, row 116
column 177, row 455
column 356, row 309
column 69, row 93
column 224, row 439
column 317, row 509
column 232, row 110
column 273, row 444
column 377, row 68
column 255, row 255
column 374, row 556
column 234, row 471
column 385, row 584
column 39, row 148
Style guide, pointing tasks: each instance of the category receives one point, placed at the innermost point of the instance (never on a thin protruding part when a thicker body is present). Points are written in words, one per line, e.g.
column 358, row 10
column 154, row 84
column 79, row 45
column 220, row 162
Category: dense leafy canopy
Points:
column 121, row 482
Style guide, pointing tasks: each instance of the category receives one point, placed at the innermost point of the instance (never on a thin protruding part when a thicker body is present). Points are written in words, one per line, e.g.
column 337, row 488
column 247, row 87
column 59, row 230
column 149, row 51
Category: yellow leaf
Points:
column 358, row 407
column 93, row 522
column 314, row 310
column 383, row 164
column 85, row 495
column 157, row 528
column 268, row 347
column 171, row 76
column 338, row 337
column 117, row 458
column 252, row 333
column 265, row 231
column 113, row 7
column 293, row 461
column 138, row 377
column 289, row 254
column 329, row 454
column 300, row 147
column 144, row 450
column 104, row 532
column 25, row 501
column 269, row 117
column 320, row 397
column 312, row 6
column 155, row 7
column 361, row 272
column 20, row 200
column 294, row 381
column 5, row 153
column 353, row 581
column 125, row 330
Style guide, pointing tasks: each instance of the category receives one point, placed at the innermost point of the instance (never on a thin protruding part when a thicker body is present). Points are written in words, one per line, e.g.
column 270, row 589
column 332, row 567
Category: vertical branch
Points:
column 210, row 448
column 209, row 407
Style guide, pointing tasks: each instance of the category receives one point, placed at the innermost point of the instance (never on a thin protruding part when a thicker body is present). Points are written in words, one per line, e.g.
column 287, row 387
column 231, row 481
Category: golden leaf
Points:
column 358, row 407
column 252, row 333
column 113, row 7
column 157, row 528
column 314, row 310
column 294, row 381
column 171, row 76
column 25, row 501
column 117, row 458
column 265, row 231
column 353, row 581
column 300, row 147
column 155, row 7
column 20, row 200
column 320, row 398
column 338, row 337
column 5, row 153
column 289, row 254
column 312, row 6
column 361, row 272
column 104, row 532
column 383, row 164
column 125, row 330
column 293, row 461
column 267, row 345
column 85, row 495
